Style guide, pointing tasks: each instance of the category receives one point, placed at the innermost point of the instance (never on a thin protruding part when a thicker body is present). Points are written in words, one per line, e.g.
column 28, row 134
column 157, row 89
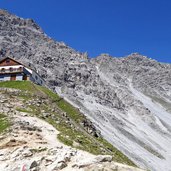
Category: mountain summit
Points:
column 128, row 99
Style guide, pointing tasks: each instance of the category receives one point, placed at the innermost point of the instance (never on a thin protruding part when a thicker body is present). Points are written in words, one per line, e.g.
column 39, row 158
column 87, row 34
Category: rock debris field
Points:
column 32, row 145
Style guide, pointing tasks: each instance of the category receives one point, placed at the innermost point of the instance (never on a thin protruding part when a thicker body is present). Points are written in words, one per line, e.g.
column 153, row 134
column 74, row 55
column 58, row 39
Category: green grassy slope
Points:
column 4, row 123
column 71, row 131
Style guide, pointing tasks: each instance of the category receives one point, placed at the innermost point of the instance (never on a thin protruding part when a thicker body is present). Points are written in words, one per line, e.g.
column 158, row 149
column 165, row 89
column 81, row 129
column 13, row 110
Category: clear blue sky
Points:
column 117, row 27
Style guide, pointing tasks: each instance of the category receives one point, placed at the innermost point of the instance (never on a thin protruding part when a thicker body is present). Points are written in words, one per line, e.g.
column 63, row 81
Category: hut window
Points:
column 8, row 60
column 3, row 69
column 11, row 69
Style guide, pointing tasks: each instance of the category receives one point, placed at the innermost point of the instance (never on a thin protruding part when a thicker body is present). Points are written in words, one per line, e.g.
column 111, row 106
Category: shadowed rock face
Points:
column 128, row 99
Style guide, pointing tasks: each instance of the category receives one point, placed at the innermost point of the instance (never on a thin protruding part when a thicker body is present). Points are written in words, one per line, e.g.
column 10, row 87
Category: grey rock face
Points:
column 128, row 99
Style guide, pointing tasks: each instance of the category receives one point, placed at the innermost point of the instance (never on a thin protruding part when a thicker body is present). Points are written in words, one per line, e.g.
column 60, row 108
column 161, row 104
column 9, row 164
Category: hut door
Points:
column 24, row 77
column 13, row 77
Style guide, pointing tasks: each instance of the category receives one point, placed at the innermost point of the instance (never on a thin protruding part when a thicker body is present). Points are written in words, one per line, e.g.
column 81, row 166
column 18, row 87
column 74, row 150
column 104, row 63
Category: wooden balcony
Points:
column 11, row 70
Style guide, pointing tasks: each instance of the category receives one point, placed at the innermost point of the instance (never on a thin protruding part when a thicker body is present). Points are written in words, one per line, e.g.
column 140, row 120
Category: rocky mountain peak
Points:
column 102, row 58
column 4, row 12
column 8, row 19
column 137, row 60
column 136, row 56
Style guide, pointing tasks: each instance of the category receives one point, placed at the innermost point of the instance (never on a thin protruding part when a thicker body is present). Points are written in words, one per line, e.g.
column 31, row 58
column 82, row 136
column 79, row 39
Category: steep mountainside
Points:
column 35, row 123
column 128, row 99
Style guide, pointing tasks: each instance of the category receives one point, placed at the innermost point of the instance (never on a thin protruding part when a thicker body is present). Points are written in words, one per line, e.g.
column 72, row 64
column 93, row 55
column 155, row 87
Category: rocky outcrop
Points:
column 127, row 99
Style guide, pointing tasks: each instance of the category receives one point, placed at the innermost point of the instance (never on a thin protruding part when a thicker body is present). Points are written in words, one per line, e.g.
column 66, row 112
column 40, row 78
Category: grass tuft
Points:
column 4, row 123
